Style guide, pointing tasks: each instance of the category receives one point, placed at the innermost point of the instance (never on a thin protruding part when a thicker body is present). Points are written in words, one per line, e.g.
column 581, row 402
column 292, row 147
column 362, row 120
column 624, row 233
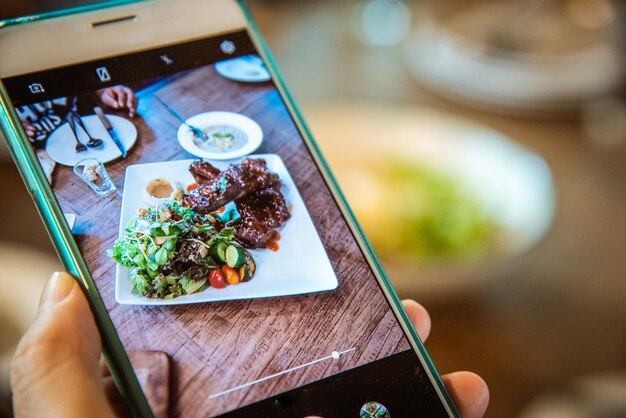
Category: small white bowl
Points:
column 153, row 199
column 207, row 120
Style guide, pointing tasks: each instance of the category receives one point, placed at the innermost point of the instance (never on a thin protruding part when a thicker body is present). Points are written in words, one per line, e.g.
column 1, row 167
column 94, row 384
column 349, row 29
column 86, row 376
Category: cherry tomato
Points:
column 216, row 279
column 232, row 276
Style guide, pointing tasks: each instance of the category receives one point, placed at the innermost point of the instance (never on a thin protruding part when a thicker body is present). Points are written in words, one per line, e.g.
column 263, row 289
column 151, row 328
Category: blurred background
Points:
column 482, row 145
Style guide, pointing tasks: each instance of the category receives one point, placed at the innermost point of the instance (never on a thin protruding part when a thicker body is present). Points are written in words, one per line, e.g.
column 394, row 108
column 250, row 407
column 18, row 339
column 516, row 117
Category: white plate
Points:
column 61, row 145
column 301, row 265
column 209, row 119
column 247, row 69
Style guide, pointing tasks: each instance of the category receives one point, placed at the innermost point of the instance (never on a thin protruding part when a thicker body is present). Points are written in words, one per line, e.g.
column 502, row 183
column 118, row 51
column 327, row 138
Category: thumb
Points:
column 55, row 371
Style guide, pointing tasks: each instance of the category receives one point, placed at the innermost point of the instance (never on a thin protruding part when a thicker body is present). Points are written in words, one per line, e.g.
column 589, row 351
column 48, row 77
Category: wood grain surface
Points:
column 217, row 346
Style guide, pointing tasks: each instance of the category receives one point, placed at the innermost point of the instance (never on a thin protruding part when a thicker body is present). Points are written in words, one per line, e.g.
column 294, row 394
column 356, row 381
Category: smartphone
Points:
column 181, row 185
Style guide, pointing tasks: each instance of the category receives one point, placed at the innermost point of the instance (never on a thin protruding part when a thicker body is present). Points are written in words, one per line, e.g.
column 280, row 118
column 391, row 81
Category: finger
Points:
column 31, row 132
column 109, row 99
column 131, row 103
column 58, row 358
column 469, row 393
column 419, row 317
column 120, row 93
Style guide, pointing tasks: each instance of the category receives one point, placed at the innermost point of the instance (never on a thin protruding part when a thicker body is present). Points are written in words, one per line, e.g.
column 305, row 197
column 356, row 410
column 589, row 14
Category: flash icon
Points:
column 103, row 74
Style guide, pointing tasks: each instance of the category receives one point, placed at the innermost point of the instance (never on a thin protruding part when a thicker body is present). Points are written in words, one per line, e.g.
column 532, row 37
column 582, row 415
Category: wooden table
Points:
column 217, row 346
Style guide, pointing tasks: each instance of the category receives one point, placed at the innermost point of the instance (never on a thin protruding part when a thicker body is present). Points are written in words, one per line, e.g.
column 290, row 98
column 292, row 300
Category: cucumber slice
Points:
column 235, row 256
column 247, row 270
column 218, row 252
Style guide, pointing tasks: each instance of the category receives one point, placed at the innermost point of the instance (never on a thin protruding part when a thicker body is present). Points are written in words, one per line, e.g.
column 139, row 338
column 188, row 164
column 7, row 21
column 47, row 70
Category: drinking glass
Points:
column 92, row 172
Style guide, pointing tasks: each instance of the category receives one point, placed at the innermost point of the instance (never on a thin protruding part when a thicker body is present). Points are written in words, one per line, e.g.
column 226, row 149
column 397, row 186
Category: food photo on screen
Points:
column 212, row 237
column 189, row 229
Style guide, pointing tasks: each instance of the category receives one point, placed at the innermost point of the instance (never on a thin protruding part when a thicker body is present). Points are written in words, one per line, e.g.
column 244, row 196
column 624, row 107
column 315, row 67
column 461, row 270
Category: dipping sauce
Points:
column 223, row 138
column 161, row 190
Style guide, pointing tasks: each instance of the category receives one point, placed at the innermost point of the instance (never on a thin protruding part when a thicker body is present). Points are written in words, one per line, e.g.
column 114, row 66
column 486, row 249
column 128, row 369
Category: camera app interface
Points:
column 228, row 270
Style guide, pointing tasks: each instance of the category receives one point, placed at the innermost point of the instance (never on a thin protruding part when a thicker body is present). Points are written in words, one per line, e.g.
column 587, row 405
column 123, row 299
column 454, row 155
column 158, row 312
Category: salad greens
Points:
column 168, row 249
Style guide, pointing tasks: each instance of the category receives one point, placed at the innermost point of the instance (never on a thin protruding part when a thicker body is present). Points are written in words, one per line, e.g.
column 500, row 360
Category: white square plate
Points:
column 301, row 265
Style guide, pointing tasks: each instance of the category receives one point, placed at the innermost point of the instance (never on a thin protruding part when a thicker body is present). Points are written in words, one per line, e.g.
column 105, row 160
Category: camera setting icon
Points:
column 36, row 88
column 228, row 47
column 103, row 74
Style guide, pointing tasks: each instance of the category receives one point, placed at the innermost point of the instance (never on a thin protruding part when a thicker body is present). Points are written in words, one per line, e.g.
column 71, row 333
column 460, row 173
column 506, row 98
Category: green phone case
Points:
column 54, row 220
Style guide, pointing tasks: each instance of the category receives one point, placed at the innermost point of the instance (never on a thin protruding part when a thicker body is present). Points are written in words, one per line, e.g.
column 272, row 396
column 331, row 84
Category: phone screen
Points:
column 213, row 239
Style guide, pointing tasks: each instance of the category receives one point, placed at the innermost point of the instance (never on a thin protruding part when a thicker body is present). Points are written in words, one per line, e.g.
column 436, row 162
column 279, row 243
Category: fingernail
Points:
column 57, row 288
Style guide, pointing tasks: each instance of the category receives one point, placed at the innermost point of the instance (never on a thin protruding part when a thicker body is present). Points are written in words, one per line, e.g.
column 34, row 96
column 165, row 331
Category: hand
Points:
column 56, row 371
column 119, row 98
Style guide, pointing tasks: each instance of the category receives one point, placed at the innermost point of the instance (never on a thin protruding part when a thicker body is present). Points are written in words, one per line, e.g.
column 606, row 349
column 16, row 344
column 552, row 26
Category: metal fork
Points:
column 80, row 147
column 92, row 142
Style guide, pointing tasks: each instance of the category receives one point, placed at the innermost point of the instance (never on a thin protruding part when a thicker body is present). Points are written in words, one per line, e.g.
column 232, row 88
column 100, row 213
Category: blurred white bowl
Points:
column 511, row 182
column 509, row 57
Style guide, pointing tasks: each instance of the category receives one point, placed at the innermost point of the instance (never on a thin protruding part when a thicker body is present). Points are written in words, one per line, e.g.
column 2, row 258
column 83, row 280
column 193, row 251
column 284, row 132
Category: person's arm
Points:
column 56, row 371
